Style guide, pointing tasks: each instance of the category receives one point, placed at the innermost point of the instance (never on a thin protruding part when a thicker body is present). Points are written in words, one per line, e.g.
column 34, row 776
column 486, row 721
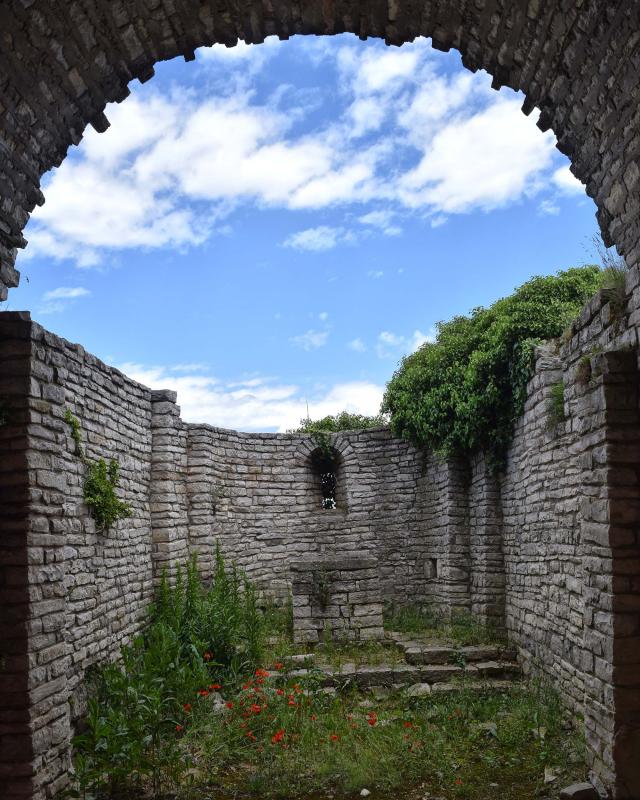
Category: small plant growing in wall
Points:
column 321, row 588
column 555, row 405
column 100, row 483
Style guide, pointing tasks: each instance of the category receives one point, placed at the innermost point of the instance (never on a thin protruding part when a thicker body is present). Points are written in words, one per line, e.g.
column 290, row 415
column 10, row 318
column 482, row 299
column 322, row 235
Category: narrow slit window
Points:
column 325, row 467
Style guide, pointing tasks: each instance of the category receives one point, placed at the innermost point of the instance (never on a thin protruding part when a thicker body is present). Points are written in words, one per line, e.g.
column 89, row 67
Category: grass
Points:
column 302, row 742
column 424, row 622
column 177, row 720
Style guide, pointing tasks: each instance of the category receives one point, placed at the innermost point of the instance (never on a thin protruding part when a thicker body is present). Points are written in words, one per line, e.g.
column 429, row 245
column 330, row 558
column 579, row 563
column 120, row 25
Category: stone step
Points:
column 473, row 686
column 398, row 675
column 416, row 653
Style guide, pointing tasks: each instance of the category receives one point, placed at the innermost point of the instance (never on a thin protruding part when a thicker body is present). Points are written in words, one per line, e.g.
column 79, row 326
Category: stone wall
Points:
column 336, row 598
column 577, row 62
column 549, row 549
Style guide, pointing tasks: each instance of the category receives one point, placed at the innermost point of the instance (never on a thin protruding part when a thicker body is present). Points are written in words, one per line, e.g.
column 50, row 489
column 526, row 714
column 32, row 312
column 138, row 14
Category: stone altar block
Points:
column 336, row 598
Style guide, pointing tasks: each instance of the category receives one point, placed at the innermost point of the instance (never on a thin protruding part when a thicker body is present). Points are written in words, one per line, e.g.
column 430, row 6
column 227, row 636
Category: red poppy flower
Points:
column 203, row 692
column 256, row 708
column 313, row 718
column 229, row 704
column 408, row 724
column 179, row 728
column 262, row 673
column 215, row 686
column 292, row 702
column 280, row 692
column 249, row 735
column 186, row 708
column 207, row 656
column 278, row 665
column 372, row 718
column 458, row 781
column 334, row 737
column 278, row 736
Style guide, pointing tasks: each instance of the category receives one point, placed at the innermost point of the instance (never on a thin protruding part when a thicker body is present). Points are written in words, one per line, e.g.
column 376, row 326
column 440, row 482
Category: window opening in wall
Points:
column 325, row 467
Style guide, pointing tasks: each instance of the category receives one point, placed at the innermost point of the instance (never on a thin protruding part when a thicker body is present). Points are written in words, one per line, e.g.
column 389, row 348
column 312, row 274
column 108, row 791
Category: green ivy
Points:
column 100, row 483
column 463, row 393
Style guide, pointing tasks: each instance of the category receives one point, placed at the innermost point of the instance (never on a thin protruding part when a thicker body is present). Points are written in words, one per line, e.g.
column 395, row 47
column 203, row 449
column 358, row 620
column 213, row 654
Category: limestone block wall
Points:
column 337, row 597
column 258, row 497
column 70, row 595
column 550, row 549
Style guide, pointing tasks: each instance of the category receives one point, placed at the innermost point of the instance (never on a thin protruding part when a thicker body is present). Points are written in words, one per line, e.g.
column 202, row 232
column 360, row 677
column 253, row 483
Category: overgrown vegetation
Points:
column 555, row 405
column 198, row 708
column 101, row 480
column 345, row 421
column 424, row 621
column 463, row 393
column 199, row 642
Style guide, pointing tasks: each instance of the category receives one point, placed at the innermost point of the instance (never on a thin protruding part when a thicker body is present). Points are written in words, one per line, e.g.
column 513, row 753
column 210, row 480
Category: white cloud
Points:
column 565, row 180
column 358, row 345
column 66, row 293
column 311, row 340
column 393, row 345
column 323, row 315
column 485, row 161
column 375, row 274
column 171, row 169
column 315, row 239
column 382, row 220
column 258, row 403
column 548, row 208
column 56, row 300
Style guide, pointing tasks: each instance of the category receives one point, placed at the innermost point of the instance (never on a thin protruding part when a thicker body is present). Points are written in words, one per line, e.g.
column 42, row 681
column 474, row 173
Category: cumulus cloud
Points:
column 315, row 239
column 256, row 403
column 565, row 180
column 57, row 300
column 393, row 345
column 401, row 135
column 311, row 340
column 357, row 345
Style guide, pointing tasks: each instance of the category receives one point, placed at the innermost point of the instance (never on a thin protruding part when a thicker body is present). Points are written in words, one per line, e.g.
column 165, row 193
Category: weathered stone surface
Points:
column 579, row 791
column 549, row 550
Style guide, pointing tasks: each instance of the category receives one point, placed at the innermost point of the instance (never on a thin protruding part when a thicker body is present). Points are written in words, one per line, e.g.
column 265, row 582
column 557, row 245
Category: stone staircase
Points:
column 425, row 668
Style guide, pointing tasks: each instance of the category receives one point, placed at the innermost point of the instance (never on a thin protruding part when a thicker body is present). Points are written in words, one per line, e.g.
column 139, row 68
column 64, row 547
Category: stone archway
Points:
column 62, row 62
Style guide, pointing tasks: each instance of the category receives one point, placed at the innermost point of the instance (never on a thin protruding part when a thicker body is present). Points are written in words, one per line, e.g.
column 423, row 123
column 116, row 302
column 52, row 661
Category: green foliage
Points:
column 344, row 421
column 199, row 638
column 555, row 405
column 99, row 493
column 614, row 275
column 464, row 392
column 425, row 620
column 100, row 483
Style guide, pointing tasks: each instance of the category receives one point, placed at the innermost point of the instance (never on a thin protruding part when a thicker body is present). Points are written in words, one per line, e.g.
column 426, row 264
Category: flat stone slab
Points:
column 418, row 690
column 430, row 654
column 497, row 669
column 484, row 686
column 579, row 791
column 439, row 673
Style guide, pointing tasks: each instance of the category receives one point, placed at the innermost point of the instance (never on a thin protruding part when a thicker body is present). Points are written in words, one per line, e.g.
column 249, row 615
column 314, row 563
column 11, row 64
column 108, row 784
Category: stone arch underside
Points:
column 62, row 61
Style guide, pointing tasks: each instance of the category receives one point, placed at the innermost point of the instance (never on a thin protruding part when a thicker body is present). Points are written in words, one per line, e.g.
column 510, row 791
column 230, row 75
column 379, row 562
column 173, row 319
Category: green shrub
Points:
column 345, row 421
column 463, row 393
column 100, row 483
column 199, row 639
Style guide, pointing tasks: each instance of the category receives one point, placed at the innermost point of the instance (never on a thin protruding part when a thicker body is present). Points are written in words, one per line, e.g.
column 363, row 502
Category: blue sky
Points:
column 277, row 225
